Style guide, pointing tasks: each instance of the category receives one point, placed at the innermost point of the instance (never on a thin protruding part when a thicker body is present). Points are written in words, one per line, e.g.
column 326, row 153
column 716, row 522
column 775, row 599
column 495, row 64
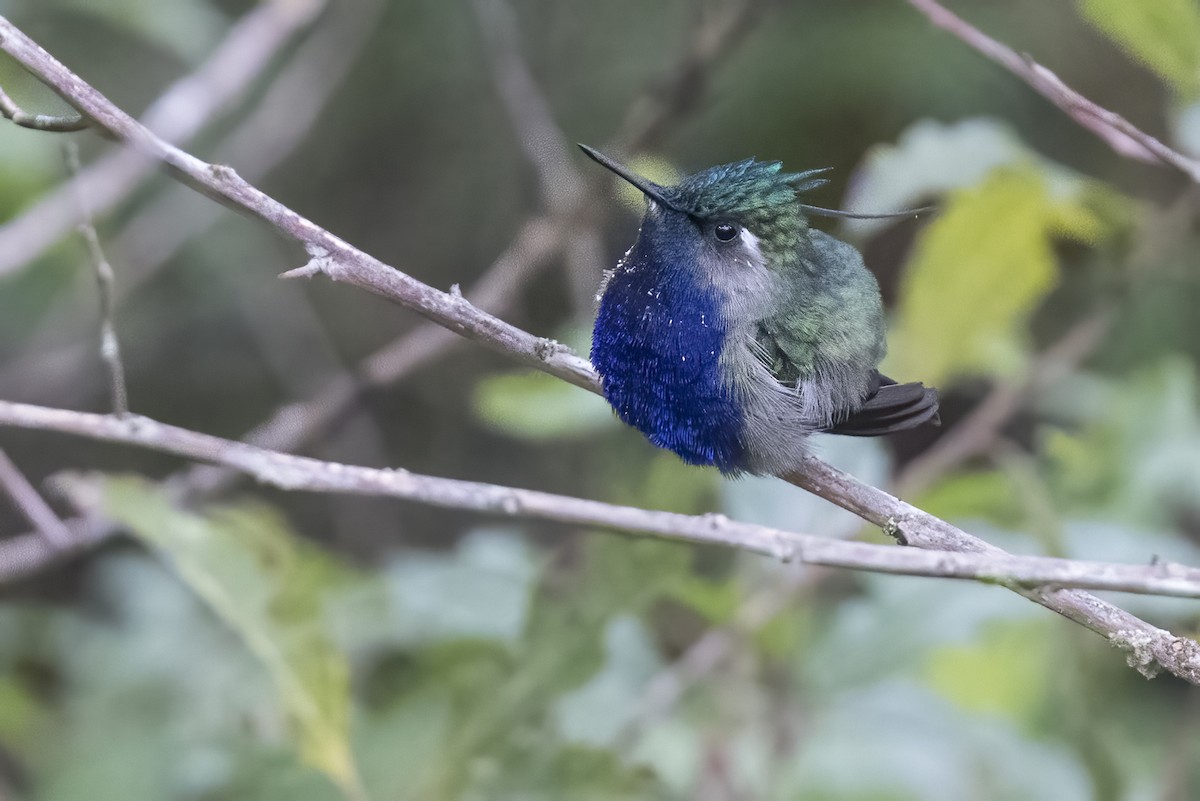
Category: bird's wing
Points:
column 891, row 407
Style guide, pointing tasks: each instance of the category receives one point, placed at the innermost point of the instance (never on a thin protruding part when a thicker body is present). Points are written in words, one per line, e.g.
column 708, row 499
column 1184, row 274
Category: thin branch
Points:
column 1149, row 647
column 652, row 115
column 1117, row 132
column 40, row 122
column 28, row 553
column 545, row 145
column 312, row 475
column 32, row 505
column 295, row 425
column 110, row 346
column 177, row 116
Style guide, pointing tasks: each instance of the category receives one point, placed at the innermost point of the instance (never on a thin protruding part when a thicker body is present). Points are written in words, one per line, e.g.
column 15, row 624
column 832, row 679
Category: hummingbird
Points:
column 732, row 330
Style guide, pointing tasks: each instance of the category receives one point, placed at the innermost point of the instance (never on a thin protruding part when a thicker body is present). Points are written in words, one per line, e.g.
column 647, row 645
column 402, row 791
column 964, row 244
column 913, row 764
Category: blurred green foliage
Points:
column 1162, row 34
column 323, row 648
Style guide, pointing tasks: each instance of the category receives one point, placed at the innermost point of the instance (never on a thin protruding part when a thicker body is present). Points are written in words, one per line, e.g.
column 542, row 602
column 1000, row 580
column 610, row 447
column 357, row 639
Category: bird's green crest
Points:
column 756, row 194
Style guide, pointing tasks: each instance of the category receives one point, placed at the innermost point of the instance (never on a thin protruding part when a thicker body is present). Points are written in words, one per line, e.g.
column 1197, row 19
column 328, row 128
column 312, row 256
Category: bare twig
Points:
column 652, row 115
column 39, row 122
column 28, row 553
column 528, row 111
column 1121, row 135
column 312, row 475
column 177, row 116
column 31, row 504
column 1149, row 647
column 546, row 147
column 110, row 346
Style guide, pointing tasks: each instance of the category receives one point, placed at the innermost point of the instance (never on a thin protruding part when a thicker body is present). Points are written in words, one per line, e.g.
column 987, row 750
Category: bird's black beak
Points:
column 648, row 188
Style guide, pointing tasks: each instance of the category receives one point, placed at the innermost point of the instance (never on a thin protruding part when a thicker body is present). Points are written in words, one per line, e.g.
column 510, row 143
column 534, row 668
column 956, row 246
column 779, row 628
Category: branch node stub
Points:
column 319, row 263
column 894, row 530
column 456, row 291
column 788, row 551
column 139, row 426
column 546, row 349
column 223, row 172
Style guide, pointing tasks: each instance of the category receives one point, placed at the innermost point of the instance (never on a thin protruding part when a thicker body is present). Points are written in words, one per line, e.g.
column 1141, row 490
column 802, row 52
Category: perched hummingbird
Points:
column 731, row 330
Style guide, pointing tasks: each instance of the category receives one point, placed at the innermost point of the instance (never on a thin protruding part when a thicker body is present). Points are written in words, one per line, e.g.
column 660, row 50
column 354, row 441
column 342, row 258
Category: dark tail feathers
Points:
column 891, row 407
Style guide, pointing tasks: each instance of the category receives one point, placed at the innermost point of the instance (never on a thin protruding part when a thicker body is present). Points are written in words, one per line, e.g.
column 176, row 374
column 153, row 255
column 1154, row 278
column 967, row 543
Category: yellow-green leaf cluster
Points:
column 1162, row 34
column 1003, row 673
column 978, row 272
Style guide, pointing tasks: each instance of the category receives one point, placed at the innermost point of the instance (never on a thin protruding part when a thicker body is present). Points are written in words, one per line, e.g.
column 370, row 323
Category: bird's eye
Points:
column 725, row 231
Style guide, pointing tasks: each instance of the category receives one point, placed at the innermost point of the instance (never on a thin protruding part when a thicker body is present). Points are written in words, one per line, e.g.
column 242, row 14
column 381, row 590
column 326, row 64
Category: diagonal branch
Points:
column 32, row 505
column 1119, row 133
column 1149, row 647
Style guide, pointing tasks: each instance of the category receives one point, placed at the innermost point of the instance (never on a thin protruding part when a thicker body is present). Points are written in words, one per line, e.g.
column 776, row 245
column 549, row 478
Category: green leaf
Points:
column 480, row 590
column 1003, row 673
column 18, row 707
column 269, row 588
column 1162, row 34
column 988, row 494
column 715, row 601
column 537, row 406
column 544, row 769
column 616, row 575
column 1138, row 456
column 597, row 712
column 977, row 273
column 928, row 159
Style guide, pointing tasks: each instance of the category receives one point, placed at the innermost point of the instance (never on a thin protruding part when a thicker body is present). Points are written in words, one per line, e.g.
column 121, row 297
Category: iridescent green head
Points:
column 756, row 195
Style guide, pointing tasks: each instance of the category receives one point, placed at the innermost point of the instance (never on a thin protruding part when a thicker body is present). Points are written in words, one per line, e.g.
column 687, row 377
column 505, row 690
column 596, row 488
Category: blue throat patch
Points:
column 657, row 344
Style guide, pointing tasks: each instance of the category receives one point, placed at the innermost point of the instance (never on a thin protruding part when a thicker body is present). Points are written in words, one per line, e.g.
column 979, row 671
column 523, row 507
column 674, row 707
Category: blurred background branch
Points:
column 1121, row 135
column 177, row 115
